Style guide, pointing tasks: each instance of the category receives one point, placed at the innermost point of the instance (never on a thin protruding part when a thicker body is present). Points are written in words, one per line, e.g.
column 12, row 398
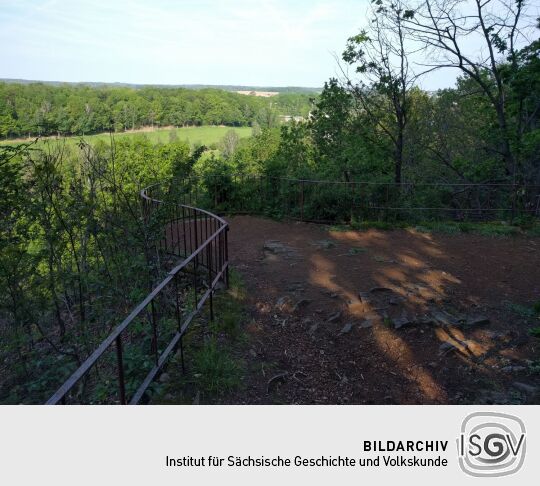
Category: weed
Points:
column 229, row 308
column 357, row 250
column 535, row 331
column 382, row 259
column 215, row 371
column 448, row 228
column 521, row 310
column 534, row 367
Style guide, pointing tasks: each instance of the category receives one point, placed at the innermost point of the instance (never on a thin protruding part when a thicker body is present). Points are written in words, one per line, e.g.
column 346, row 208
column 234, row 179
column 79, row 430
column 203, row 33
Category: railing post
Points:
column 195, row 223
column 121, row 380
column 184, row 231
column 179, row 320
column 513, row 216
column 302, row 201
column 154, row 346
column 177, row 302
column 210, row 283
column 182, row 354
column 227, row 256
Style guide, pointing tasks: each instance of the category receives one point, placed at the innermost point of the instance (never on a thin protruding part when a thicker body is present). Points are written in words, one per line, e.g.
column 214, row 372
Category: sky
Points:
column 239, row 42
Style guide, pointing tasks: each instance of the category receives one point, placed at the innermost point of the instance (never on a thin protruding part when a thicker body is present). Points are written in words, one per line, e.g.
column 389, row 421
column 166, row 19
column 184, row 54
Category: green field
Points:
column 205, row 135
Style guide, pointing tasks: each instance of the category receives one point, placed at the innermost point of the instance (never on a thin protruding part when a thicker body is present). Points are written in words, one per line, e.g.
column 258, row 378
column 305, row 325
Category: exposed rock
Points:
column 275, row 246
column 399, row 322
column 499, row 335
column 283, row 302
column 447, row 347
column 476, row 321
column 366, row 324
column 313, row 328
column 273, row 382
column 331, row 294
column 274, row 249
column 492, row 397
column 445, row 319
column 335, row 317
column 380, row 289
column 323, row 244
column 346, row 328
column 382, row 259
column 364, row 297
column 295, row 287
column 425, row 320
column 524, row 387
column 513, row 369
column 300, row 304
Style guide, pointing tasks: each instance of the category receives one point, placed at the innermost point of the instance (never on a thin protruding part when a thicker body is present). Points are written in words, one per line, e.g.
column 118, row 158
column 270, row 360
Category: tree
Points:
column 446, row 29
column 381, row 55
column 229, row 143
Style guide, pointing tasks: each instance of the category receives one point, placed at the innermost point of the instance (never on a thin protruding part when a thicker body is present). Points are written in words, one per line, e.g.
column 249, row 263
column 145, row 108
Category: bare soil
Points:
column 385, row 317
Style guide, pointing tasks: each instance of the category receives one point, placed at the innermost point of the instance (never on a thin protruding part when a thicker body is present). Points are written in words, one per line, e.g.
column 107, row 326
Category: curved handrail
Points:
column 205, row 247
column 202, row 242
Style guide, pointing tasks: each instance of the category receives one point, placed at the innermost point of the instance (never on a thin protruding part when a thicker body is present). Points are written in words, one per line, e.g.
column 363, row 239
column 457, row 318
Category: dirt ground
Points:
column 385, row 317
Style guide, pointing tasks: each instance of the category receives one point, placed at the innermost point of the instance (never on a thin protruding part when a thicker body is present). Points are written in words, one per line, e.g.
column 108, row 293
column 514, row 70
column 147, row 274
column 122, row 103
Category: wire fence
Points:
column 340, row 201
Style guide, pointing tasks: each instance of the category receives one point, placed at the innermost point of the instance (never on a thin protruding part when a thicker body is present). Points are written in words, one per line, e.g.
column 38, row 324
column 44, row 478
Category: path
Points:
column 358, row 317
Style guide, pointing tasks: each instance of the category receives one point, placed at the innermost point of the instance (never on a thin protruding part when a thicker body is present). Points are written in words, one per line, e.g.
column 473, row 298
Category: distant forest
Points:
column 46, row 109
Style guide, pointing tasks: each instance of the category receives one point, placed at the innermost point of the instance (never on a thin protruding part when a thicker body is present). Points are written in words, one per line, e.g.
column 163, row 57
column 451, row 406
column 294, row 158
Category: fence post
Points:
column 210, row 283
column 154, row 332
column 513, row 203
column 121, row 381
column 227, row 256
column 302, row 201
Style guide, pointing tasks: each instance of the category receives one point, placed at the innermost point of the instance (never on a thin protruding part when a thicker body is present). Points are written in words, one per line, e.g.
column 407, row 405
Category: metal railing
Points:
column 199, row 239
column 329, row 201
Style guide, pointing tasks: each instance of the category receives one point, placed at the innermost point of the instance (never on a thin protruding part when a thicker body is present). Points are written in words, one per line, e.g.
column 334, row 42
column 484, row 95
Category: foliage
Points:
column 43, row 109
column 73, row 252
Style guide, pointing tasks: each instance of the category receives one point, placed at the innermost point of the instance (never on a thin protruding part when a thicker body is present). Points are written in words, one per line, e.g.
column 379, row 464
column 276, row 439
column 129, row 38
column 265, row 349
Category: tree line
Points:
column 42, row 109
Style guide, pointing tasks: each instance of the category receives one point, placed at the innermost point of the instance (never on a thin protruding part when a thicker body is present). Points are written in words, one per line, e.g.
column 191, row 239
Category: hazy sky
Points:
column 261, row 43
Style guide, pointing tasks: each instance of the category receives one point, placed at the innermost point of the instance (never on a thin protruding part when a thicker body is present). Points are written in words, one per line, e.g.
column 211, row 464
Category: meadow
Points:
column 202, row 135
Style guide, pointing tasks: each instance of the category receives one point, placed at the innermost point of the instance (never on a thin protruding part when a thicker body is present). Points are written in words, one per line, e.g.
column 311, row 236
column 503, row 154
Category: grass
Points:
column 535, row 331
column 215, row 371
column 204, row 135
column 485, row 229
column 229, row 308
column 212, row 369
column 527, row 312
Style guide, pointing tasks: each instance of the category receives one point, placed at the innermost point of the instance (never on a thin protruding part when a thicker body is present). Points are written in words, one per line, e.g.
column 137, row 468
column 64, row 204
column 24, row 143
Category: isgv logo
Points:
column 491, row 444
